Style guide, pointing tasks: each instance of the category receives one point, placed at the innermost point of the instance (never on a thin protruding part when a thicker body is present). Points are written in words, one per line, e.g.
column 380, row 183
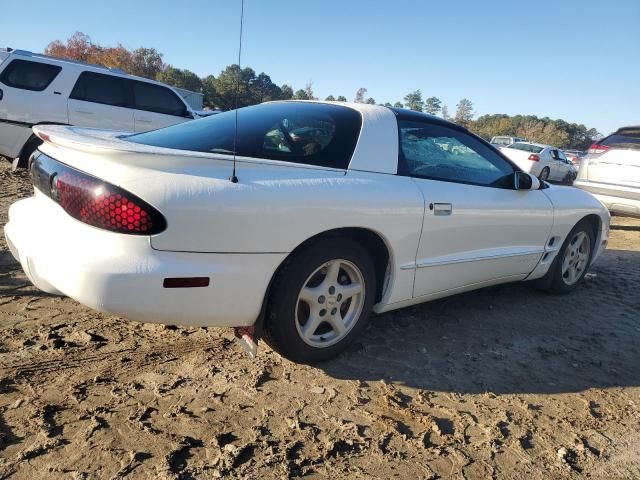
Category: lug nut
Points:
column 334, row 311
column 339, row 296
column 321, row 299
column 332, row 290
column 323, row 312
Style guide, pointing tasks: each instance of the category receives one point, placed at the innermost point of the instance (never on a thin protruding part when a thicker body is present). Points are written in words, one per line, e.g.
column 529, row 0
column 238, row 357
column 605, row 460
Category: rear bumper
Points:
column 618, row 199
column 123, row 274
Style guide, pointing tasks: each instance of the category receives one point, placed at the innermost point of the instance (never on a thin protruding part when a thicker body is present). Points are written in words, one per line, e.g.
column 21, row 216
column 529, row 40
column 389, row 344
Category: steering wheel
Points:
column 285, row 131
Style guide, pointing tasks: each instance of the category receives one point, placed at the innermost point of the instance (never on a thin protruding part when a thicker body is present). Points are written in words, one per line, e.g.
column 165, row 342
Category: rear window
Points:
column 501, row 140
column 307, row 133
column 527, row 147
column 29, row 75
column 625, row 138
column 154, row 98
column 99, row 88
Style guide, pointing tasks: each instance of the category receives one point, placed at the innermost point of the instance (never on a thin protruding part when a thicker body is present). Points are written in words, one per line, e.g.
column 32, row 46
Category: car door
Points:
column 100, row 101
column 477, row 228
column 156, row 106
column 559, row 167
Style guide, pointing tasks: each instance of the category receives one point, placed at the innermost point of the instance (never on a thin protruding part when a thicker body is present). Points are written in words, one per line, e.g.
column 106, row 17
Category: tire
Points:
column 337, row 319
column 22, row 161
column 559, row 280
column 569, row 178
column 544, row 174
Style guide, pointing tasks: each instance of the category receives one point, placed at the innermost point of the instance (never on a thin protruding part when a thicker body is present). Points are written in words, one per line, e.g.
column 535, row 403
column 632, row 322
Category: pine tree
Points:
column 464, row 112
column 432, row 105
column 413, row 101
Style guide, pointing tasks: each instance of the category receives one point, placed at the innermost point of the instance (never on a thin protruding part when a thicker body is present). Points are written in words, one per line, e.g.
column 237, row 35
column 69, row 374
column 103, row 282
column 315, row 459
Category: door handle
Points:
column 142, row 120
column 84, row 112
column 442, row 208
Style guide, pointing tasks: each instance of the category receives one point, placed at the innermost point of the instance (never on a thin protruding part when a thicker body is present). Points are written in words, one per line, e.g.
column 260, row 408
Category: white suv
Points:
column 611, row 171
column 36, row 89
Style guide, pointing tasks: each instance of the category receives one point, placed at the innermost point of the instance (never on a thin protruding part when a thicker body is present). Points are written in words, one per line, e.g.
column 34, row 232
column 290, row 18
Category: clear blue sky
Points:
column 572, row 59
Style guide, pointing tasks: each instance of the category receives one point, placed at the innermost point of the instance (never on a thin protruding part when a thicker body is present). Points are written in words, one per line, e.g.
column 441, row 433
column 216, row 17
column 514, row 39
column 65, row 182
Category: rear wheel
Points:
column 544, row 174
column 320, row 301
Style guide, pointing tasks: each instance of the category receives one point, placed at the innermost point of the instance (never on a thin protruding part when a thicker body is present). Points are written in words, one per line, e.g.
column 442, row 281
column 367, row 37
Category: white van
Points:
column 37, row 89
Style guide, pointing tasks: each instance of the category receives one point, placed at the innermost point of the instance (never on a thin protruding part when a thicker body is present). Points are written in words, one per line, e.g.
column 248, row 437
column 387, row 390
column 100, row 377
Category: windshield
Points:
column 309, row 133
column 527, row 147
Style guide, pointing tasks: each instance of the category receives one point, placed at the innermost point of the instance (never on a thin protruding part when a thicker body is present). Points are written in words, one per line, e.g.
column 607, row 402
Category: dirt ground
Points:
column 505, row 382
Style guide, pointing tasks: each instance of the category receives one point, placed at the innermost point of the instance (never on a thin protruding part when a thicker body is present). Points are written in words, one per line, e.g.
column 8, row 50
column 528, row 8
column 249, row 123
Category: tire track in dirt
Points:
column 155, row 354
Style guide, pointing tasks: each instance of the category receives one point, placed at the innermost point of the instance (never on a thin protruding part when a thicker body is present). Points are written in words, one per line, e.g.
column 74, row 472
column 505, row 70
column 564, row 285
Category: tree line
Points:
column 243, row 87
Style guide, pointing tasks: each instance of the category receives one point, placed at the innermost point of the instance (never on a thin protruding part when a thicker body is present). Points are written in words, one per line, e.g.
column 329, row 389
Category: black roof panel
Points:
column 407, row 114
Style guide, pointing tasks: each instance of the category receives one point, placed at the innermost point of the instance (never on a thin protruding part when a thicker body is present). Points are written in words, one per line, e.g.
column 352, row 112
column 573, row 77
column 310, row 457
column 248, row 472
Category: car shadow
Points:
column 626, row 228
column 12, row 285
column 510, row 338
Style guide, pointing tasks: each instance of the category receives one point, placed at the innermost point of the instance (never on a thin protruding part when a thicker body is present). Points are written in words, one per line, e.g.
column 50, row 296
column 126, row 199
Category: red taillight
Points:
column 104, row 206
column 598, row 148
column 93, row 201
column 534, row 157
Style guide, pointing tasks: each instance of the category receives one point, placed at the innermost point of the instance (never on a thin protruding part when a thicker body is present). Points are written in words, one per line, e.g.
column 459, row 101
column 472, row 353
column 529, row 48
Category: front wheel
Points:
column 320, row 301
column 573, row 260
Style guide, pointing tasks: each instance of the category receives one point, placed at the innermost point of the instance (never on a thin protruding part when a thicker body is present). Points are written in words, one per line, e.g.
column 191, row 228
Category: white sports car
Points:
column 337, row 209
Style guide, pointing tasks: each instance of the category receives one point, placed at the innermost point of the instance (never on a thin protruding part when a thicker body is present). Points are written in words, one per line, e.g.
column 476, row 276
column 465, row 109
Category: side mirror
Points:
column 524, row 181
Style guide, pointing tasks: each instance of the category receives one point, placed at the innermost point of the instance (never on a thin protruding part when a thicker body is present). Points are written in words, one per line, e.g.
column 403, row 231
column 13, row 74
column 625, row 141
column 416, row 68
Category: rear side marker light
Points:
column 186, row 282
column 43, row 136
column 94, row 201
column 534, row 157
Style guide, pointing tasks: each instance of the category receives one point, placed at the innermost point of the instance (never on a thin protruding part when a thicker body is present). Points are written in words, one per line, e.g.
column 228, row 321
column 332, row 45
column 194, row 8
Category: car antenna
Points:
column 233, row 178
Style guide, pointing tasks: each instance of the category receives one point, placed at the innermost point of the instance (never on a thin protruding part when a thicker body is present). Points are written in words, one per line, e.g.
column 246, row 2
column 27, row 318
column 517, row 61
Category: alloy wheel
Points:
column 330, row 303
column 576, row 258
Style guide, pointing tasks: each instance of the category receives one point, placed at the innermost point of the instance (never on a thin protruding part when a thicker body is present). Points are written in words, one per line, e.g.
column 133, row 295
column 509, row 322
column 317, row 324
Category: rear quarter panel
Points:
column 275, row 209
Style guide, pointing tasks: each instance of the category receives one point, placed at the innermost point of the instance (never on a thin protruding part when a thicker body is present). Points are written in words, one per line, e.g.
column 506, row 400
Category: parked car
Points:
column 327, row 212
column 37, row 89
column 543, row 161
column 611, row 171
column 574, row 156
column 503, row 141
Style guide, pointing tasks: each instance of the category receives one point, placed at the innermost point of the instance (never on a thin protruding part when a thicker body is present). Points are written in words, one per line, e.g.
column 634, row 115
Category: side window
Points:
column 154, row 98
column 298, row 136
column 99, row 88
column 441, row 153
column 307, row 133
column 29, row 75
column 555, row 154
